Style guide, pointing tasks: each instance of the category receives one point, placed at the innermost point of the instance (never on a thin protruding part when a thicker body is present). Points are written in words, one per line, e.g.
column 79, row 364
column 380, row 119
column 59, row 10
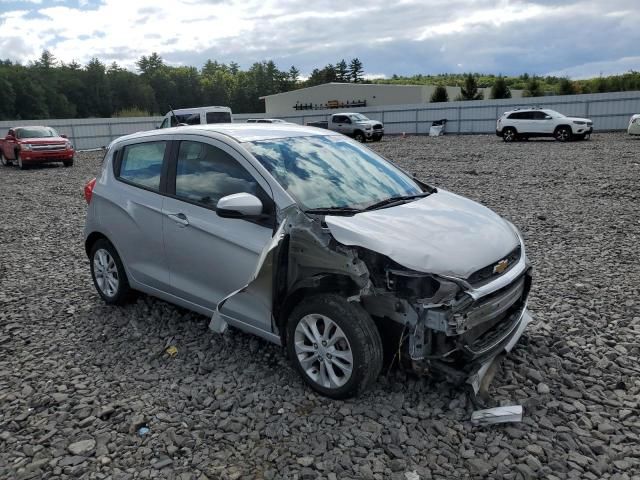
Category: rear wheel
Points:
column 107, row 271
column 335, row 345
column 563, row 134
column 509, row 134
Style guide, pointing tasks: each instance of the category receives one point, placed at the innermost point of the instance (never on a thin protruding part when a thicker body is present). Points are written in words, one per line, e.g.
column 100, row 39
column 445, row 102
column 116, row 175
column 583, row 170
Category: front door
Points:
column 210, row 256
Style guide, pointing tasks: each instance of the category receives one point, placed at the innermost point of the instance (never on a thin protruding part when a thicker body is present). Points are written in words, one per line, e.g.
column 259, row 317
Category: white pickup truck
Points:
column 353, row 125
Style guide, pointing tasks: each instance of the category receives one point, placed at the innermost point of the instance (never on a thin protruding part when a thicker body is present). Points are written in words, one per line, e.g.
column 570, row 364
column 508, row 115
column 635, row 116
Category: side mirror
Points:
column 63, row 136
column 239, row 205
column 347, row 120
column 10, row 137
column 547, row 117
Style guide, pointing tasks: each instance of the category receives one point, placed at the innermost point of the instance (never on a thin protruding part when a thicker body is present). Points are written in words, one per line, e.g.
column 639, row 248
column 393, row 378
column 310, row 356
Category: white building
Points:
column 355, row 95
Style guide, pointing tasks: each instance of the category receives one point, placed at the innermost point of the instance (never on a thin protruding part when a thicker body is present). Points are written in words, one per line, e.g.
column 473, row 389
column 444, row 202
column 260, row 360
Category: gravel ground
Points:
column 78, row 379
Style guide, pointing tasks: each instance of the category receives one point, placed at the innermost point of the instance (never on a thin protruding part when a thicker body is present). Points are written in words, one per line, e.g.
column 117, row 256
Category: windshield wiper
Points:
column 388, row 202
column 333, row 210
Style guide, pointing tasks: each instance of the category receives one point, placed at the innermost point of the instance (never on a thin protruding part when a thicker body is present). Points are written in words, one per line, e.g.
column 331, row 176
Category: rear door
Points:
column 210, row 256
column 519, row 120
column 131, row 210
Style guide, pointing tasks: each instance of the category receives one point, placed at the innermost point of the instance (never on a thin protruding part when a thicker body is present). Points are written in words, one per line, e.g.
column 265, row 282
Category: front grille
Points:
column 377, row 126
column 494, row 319
column 48, row 147
column 487, row 273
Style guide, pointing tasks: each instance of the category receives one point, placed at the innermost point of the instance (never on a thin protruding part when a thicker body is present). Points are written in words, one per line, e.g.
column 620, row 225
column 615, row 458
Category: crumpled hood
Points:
column 443, row 234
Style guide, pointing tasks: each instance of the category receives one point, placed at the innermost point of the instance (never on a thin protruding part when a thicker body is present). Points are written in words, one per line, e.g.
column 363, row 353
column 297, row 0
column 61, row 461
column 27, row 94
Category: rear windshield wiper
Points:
column 333, row 211
column 387, row 202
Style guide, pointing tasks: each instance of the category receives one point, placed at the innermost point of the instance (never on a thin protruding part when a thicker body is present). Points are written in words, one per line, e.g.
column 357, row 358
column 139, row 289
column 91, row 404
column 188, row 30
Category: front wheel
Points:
column 21, row 164
column 108, row 274
column 335, row 345
column 359, row 137
column 509, row 135
column 68, row 163
column 563, row 134
column 4, row 160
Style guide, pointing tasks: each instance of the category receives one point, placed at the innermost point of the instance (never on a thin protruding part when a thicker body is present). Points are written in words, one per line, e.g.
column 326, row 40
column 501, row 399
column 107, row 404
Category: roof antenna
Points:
column 178, row 124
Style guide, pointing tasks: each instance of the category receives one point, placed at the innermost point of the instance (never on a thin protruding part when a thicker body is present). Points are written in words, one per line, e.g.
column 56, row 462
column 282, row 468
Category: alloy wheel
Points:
column 323, row 351
column 106, row 272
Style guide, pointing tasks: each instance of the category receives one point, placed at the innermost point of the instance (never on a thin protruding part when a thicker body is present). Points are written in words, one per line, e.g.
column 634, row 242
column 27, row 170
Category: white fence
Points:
column 609, row 111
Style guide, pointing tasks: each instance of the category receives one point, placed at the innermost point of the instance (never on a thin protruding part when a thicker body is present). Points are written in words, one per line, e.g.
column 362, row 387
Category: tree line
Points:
column 531, row 85
column 48, row 88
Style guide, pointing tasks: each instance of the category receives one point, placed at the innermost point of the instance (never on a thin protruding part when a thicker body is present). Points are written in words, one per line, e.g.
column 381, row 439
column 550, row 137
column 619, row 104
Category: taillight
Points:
column 88, row 190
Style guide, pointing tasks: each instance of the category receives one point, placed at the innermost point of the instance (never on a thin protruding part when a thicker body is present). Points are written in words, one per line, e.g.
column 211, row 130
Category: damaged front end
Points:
column 454, row 326
column 451, row 326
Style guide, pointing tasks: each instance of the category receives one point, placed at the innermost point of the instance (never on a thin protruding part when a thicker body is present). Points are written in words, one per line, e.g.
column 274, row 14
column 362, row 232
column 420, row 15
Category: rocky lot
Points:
column 89, row 391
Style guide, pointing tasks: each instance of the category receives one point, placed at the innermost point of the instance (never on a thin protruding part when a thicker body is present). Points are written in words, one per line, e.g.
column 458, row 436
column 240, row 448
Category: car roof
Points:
column 240, row 132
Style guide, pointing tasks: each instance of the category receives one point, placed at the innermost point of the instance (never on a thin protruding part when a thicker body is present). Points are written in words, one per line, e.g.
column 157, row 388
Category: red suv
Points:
column 32, row 145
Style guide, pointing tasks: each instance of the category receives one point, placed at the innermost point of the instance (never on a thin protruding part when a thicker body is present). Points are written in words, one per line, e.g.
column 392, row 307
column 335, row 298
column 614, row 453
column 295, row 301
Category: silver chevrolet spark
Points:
column 313, row 242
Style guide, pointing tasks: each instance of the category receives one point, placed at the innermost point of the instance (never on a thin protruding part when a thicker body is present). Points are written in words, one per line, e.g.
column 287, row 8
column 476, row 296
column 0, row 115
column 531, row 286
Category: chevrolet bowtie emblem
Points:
column 501, row 266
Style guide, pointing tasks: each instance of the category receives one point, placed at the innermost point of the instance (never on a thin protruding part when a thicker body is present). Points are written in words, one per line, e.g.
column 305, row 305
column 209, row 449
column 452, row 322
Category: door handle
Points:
column 179, row 218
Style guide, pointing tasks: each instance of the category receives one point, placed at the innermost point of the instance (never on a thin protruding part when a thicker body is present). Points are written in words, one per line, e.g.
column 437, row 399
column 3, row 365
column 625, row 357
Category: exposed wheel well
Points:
column 92, row 239
column 329, row 283
column 561, row 126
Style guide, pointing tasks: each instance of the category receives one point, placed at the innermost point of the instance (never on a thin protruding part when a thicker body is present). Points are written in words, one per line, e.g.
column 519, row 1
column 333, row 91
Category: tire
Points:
column 354, row 335
column 359, row 137
column 108, row 274
column 509, row 134
column 68, row 163
column 562, row 134
column 21, row 165
column 4, row 160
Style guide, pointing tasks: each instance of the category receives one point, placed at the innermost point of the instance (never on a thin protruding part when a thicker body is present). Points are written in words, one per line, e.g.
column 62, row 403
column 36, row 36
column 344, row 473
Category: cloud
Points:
column 402, row 37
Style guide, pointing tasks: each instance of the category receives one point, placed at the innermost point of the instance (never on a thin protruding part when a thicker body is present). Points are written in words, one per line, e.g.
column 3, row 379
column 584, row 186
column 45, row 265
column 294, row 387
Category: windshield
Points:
column 36, row 132
column 331, row 171
column 359, row 117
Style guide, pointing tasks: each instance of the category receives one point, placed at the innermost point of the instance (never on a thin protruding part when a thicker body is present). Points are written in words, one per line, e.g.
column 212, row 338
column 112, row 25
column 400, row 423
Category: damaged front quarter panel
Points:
column 302, row 257
column 446, row 324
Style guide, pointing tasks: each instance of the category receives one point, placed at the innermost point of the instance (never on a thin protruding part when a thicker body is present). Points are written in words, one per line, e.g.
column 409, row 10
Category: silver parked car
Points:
column 314, row 242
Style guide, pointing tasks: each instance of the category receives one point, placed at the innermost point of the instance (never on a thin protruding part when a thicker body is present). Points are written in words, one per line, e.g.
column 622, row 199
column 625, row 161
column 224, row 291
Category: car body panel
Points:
column 634, row 125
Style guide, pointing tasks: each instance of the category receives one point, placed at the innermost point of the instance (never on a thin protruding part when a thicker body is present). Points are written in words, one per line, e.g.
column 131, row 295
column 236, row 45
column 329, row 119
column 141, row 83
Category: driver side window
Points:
column 205, row 174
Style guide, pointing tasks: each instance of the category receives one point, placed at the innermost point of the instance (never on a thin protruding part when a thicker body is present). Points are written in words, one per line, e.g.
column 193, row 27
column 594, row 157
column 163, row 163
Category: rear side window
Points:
column 141, row 164
column 518, row 116
column 218, row 117
column 205, row 174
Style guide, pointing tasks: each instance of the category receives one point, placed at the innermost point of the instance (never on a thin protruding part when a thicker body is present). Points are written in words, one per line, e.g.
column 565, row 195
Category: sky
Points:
column 575, row 38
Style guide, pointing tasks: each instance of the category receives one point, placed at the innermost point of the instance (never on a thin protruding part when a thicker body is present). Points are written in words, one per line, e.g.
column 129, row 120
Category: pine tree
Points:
column 500, row 89
column 356, row 71
column 440, row 94
column 342, row 71
column 469, row 91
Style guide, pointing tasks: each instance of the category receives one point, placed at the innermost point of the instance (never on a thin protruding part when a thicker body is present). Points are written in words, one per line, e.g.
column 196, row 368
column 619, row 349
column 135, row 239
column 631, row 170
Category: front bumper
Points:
column 479, row 375
column 374, row 133
column 30, row 156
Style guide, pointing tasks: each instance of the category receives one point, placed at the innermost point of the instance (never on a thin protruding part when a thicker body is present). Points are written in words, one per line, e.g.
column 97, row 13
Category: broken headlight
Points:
column 420, row 286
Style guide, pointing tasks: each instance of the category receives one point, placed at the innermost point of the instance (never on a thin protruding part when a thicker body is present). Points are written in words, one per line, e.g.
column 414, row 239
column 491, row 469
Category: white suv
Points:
column 535, row 122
